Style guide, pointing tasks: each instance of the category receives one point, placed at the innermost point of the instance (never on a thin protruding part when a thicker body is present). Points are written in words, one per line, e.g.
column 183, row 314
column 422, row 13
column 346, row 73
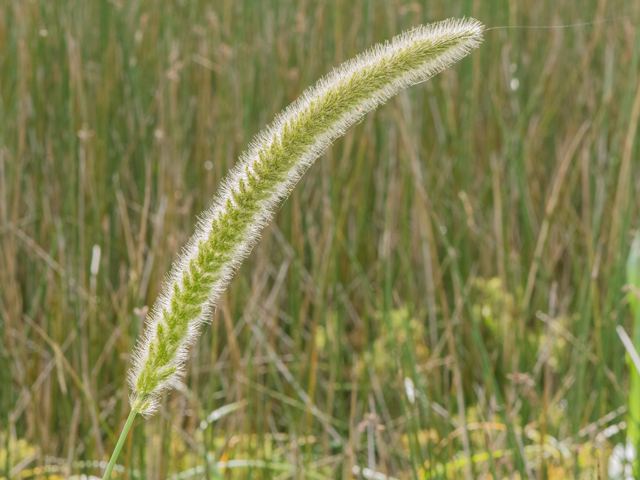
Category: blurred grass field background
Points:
column 438, row 298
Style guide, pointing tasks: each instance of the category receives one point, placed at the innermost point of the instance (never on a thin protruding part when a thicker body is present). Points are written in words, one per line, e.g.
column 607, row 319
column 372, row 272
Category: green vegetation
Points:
column 633, row 286
column 436, row 299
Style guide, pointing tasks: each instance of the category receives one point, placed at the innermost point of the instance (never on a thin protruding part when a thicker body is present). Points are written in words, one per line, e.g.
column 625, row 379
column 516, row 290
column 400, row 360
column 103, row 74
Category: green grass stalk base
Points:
column 123, row 436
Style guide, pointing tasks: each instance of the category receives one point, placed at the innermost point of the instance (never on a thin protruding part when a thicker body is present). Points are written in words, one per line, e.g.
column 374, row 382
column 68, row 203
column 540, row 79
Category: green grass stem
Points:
column 121, row 440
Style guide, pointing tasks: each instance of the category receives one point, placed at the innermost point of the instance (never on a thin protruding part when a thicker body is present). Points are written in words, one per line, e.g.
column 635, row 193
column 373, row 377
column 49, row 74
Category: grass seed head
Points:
column 264, row 175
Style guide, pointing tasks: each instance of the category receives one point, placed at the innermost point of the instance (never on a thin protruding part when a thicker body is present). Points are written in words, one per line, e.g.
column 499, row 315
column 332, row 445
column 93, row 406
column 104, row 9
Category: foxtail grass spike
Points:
column 264, row 175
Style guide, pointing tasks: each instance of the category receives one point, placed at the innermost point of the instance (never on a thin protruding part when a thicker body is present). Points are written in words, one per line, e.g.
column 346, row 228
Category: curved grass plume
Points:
column 264, row 175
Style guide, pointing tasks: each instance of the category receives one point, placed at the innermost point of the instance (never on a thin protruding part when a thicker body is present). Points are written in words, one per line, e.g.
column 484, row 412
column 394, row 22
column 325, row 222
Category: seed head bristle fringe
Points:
column 265, row 173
